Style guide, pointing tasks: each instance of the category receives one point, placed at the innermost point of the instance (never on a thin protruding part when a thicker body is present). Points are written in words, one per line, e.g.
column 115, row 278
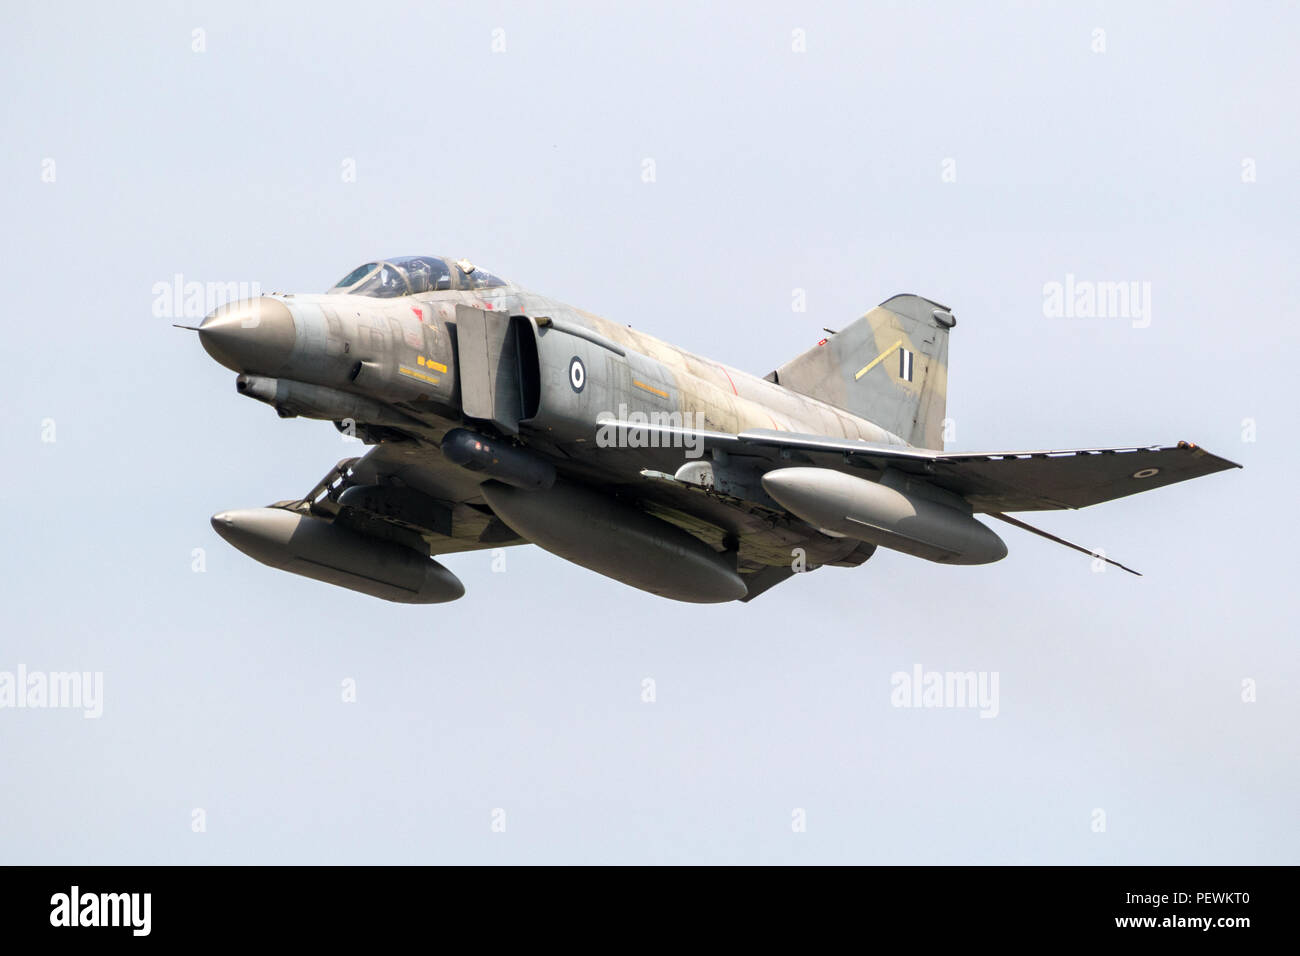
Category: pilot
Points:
column 419, row 275
column 390, row 281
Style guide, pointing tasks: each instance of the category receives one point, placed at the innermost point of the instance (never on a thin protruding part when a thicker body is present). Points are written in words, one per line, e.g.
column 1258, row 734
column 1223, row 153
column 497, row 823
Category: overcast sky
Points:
column 854, row 151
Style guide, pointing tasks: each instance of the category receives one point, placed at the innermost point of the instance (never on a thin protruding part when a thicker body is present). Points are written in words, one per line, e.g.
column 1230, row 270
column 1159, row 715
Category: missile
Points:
column 318, row 549
column 617, row 540
column 498, row 459
column 928, row 525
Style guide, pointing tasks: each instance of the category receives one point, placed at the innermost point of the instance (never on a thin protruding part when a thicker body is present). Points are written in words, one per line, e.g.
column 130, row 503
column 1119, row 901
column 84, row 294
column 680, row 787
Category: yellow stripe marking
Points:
column 877, row 360
column 650, row 388
column 420, row 375
column 437, row 365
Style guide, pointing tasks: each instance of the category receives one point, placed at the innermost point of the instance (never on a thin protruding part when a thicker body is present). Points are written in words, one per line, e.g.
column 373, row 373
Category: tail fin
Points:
column 890, row 367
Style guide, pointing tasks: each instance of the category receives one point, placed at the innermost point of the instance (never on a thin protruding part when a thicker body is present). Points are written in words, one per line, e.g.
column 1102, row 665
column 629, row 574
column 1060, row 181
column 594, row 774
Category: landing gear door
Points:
column 486, row 353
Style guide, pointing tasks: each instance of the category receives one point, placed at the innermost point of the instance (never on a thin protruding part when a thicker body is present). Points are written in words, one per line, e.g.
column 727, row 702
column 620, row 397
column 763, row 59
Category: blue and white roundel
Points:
column 577, row 374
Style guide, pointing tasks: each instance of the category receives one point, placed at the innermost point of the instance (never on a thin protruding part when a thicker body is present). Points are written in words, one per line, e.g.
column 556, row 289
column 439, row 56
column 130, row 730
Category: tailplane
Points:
column 890, row 367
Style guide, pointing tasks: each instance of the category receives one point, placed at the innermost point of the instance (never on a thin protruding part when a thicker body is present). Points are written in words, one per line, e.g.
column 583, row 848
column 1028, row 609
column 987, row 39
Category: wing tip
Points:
column 1192, row 446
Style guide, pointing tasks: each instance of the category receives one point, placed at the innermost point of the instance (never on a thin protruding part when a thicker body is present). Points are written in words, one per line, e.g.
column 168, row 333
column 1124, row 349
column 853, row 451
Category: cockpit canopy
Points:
column 390, row 278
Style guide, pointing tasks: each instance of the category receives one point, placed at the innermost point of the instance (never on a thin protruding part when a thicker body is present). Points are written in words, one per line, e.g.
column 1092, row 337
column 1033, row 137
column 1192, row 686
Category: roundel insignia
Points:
column 1146, row 473
column 577, row 374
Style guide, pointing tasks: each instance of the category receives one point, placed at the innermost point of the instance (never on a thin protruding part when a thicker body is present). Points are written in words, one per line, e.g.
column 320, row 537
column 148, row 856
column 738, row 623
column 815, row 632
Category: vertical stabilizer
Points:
column 890, row 367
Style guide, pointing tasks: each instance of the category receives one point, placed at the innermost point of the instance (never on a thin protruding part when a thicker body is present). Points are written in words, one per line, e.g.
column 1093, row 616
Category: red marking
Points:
column 733, row 384
column 488, row 306
column 419, row 313
column 823, row 341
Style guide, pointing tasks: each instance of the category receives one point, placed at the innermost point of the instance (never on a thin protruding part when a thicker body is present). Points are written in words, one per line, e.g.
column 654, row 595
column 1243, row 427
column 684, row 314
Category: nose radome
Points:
column 252, row 335
column 224, row 524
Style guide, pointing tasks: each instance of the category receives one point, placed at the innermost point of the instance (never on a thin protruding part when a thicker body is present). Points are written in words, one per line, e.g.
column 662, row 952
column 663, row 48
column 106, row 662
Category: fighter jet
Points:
column 495, row 416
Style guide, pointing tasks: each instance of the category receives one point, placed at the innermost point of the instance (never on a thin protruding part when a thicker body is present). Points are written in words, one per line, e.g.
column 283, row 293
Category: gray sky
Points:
column 774, row 170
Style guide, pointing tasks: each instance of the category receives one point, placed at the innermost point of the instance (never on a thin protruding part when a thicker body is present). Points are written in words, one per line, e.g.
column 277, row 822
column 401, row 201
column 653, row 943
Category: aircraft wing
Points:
column 1035, row 480
column 992, row 482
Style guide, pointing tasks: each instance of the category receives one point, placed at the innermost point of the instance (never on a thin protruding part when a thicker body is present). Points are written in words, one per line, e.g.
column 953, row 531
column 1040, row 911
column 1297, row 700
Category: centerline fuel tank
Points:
column 617, row 540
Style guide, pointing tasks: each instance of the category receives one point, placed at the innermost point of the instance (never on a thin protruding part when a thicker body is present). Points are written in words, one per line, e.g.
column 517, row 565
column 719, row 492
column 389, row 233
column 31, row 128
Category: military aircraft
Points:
column 498, row 417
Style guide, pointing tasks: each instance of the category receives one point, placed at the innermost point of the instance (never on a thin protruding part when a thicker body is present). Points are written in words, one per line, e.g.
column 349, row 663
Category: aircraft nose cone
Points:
column 225, row 525
column 253, row 335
